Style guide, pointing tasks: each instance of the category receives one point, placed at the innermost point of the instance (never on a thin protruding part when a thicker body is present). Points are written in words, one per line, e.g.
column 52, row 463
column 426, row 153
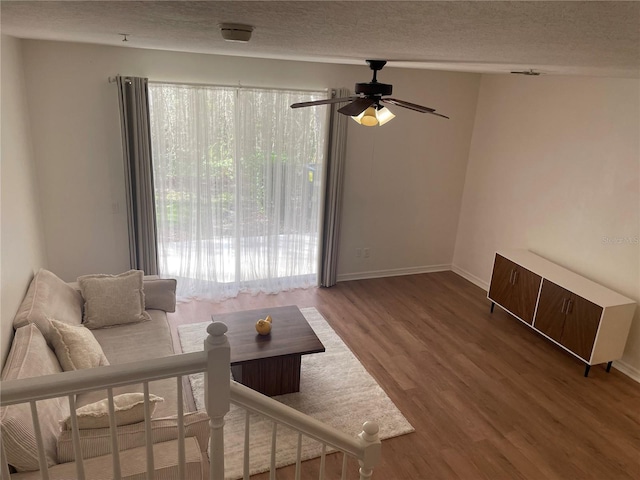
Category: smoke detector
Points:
column 235, row 32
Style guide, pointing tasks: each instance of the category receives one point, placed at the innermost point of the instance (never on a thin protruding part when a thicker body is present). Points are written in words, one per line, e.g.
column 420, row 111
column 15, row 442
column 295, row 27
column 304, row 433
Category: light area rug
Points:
column 334, row 388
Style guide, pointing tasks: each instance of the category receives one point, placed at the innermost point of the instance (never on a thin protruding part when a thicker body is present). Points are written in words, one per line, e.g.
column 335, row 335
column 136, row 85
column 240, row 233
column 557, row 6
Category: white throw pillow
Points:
column 129, row 408
column 76, row 347
column 113, row 299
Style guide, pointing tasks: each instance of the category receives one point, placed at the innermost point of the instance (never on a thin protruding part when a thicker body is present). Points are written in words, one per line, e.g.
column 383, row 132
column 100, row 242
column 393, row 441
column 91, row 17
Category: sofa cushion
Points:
column 97, row 441
column 138, row 342
column 30, row 356
column 76, row 347
column 133, row 464
column 113, row 299
column 49, row 296
column 128, row 407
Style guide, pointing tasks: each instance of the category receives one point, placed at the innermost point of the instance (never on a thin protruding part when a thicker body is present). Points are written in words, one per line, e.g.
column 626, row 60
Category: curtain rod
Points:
column 191, row 84
column 113, row 79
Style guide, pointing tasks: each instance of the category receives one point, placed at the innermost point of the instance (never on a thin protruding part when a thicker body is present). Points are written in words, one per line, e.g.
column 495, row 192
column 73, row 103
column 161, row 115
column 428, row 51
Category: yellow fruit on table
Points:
column 268, row 319
column 263, row 327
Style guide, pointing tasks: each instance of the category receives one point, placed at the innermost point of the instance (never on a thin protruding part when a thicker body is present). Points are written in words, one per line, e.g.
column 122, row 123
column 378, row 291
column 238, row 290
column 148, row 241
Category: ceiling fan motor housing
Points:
column 374, row 89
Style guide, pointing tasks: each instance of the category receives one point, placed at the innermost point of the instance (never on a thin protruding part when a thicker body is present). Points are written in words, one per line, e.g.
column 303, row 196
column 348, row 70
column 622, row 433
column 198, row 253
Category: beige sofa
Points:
column 33, row 353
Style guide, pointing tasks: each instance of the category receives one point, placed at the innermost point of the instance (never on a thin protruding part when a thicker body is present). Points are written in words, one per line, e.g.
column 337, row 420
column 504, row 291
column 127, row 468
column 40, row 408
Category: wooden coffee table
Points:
column 269, row 364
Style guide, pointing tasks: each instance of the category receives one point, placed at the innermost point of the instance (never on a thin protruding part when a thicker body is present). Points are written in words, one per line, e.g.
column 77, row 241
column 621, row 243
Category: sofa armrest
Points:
column 96, row 442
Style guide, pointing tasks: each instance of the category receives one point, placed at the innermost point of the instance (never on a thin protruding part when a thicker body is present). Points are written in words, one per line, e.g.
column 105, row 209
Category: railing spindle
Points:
column 115, row 450
column 344, row 466
column 75, row 435
column 42, row 457
column 322, row 461
column 181, row 453
column 245, row 472
column 272, row 466
column 299, row 457
column 148, row 434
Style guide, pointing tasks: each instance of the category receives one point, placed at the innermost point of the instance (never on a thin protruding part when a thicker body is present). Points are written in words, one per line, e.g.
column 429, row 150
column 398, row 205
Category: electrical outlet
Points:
column 358, row 252
column 366, row 252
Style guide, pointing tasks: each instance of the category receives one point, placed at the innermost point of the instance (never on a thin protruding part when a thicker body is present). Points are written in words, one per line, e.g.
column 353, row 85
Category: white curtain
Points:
column 238, row 181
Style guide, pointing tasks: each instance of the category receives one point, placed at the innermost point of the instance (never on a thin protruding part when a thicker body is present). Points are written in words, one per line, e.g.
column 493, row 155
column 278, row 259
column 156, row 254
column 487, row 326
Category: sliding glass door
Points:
column 238, row 187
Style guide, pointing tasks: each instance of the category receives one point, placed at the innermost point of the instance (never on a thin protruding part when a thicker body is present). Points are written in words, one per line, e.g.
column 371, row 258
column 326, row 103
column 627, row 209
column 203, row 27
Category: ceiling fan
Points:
column 366, row 106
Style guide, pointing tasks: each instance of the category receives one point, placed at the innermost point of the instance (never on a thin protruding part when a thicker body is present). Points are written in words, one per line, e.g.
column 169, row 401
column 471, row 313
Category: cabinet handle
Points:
column 515, row 276
column 569, row 307
column 564, row 303
column 512, row 276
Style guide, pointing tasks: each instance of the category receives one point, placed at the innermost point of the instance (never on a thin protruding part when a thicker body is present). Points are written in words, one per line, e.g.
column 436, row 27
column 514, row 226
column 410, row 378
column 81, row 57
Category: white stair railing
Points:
column 219, row 393
column 69, row 384
column 365, row 447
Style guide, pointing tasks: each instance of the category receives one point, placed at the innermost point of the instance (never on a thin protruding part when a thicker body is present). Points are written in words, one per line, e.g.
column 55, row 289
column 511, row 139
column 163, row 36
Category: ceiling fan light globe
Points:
column 384, row 115
column 367, row 118
column 373, row 116
column 369, row 121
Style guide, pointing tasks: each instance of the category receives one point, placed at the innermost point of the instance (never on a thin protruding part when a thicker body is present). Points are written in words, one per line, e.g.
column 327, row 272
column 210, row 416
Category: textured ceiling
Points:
column 594, row 38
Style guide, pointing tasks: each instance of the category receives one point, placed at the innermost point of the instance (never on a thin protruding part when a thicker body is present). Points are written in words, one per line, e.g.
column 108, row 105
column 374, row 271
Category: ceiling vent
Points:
column 235, row 32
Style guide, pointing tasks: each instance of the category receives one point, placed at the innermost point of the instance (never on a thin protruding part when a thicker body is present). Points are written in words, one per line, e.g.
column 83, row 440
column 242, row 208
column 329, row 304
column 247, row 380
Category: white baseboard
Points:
column 628, row 370
column 472, row 278
column 394, row 272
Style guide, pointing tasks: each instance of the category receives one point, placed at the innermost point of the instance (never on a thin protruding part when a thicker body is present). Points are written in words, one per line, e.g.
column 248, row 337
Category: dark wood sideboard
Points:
column 586, row 319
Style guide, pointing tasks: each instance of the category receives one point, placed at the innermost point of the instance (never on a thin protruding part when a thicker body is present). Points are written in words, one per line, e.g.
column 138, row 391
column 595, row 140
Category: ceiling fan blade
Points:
column 357, row 106
column 412, row 106
column 439, row 114
column 322, row 102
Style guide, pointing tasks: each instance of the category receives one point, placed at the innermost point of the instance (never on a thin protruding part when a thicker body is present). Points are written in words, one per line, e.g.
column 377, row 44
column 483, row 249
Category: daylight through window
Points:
column 238, row 177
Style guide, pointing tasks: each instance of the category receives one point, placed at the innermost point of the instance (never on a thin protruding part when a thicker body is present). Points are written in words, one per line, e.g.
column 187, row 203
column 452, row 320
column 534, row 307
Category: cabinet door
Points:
column 580, row 326
column 514, row 288
column 500, row 290
column 525, row 289
column 550, row 316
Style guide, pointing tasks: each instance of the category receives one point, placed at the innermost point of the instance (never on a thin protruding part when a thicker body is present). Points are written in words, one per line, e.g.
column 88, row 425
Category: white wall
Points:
column 403, row 182
column 554, row 168
column 21, row 240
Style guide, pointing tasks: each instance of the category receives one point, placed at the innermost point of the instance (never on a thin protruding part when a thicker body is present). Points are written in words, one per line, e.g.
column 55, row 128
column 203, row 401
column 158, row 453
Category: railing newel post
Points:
column 217, row 393
column 371, row 446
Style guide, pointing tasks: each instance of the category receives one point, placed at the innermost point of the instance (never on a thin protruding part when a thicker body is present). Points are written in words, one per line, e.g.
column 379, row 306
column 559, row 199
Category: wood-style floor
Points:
column 488, row 397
